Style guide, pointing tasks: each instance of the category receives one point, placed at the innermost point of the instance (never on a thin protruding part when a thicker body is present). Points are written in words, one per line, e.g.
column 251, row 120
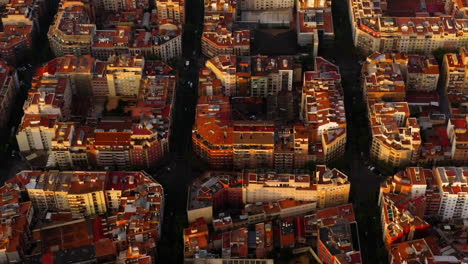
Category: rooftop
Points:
column 337, row 231
column 411, row 252
column 204, row 189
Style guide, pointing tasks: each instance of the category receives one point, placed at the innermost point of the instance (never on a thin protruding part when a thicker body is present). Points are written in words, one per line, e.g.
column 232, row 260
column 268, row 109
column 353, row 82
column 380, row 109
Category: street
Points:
column 177, row 178
column 364, row 183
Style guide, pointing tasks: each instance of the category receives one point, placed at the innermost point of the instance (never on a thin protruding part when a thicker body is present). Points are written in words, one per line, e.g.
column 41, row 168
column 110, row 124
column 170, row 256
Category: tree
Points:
column 118, row 111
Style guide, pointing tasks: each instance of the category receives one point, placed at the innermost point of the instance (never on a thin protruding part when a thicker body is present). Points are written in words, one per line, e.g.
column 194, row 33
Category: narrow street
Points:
column 364, row 183
column 11, row 162
column 178, row 174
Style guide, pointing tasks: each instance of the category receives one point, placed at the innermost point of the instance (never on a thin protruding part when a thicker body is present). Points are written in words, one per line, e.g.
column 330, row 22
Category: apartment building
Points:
column 408, row 27
column 264, row 4
column 86, row 200
column 218, row 37
column 332, row 186
column 221, row 11
column 79, row 69
column 322, row 110
column 49, row 95
column 137, row 141
column 208, row 83
column 26, row 13
column 36, row 132
column 108, row 42
column 121, row 144
column 69, row 145
column 423, row 73
column 416, row 188
column 9, row 86
column 212, row 135
column 119, row 5
column 49, row 101
column 232, row 243
column 270, row 186
column 224, row 142
column 415, row 193
column 338, row 236
column 83, row 193
column 21, row 21
column 396, row 138
column 452, row 182
column 314, row 23
column 195, row 237
column 388, row 76
column 270, row 75
column 124, row 74
column 73, row 29
column 212, row 192
column 153, row 37
column 454, row 76
column 15, row 41
column 259, row 76
column 253, row 144
column 80, row 193
column 99, row 85
column 173, row 9
column 263, row 195
column 457, row 130
column 219, row 40
column 321, row 138
column 398, row 223
column 417, row 250
column 269, row 211
column 17, row 216
column 458, row 9
column 81, row 204
column 382, row 77
column 225, row 69
column 301, row 146
column 167, row 41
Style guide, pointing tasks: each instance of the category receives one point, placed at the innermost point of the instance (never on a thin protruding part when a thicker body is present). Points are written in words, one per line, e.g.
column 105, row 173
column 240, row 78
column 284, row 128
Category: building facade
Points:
column 377, row 26
column 396, row 138
column 73, row 29
column 173, row 9
column 124, row 74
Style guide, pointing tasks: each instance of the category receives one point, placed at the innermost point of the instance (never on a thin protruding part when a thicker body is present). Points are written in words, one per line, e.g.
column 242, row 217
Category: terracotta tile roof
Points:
column 13, row 35
column 415, row 250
